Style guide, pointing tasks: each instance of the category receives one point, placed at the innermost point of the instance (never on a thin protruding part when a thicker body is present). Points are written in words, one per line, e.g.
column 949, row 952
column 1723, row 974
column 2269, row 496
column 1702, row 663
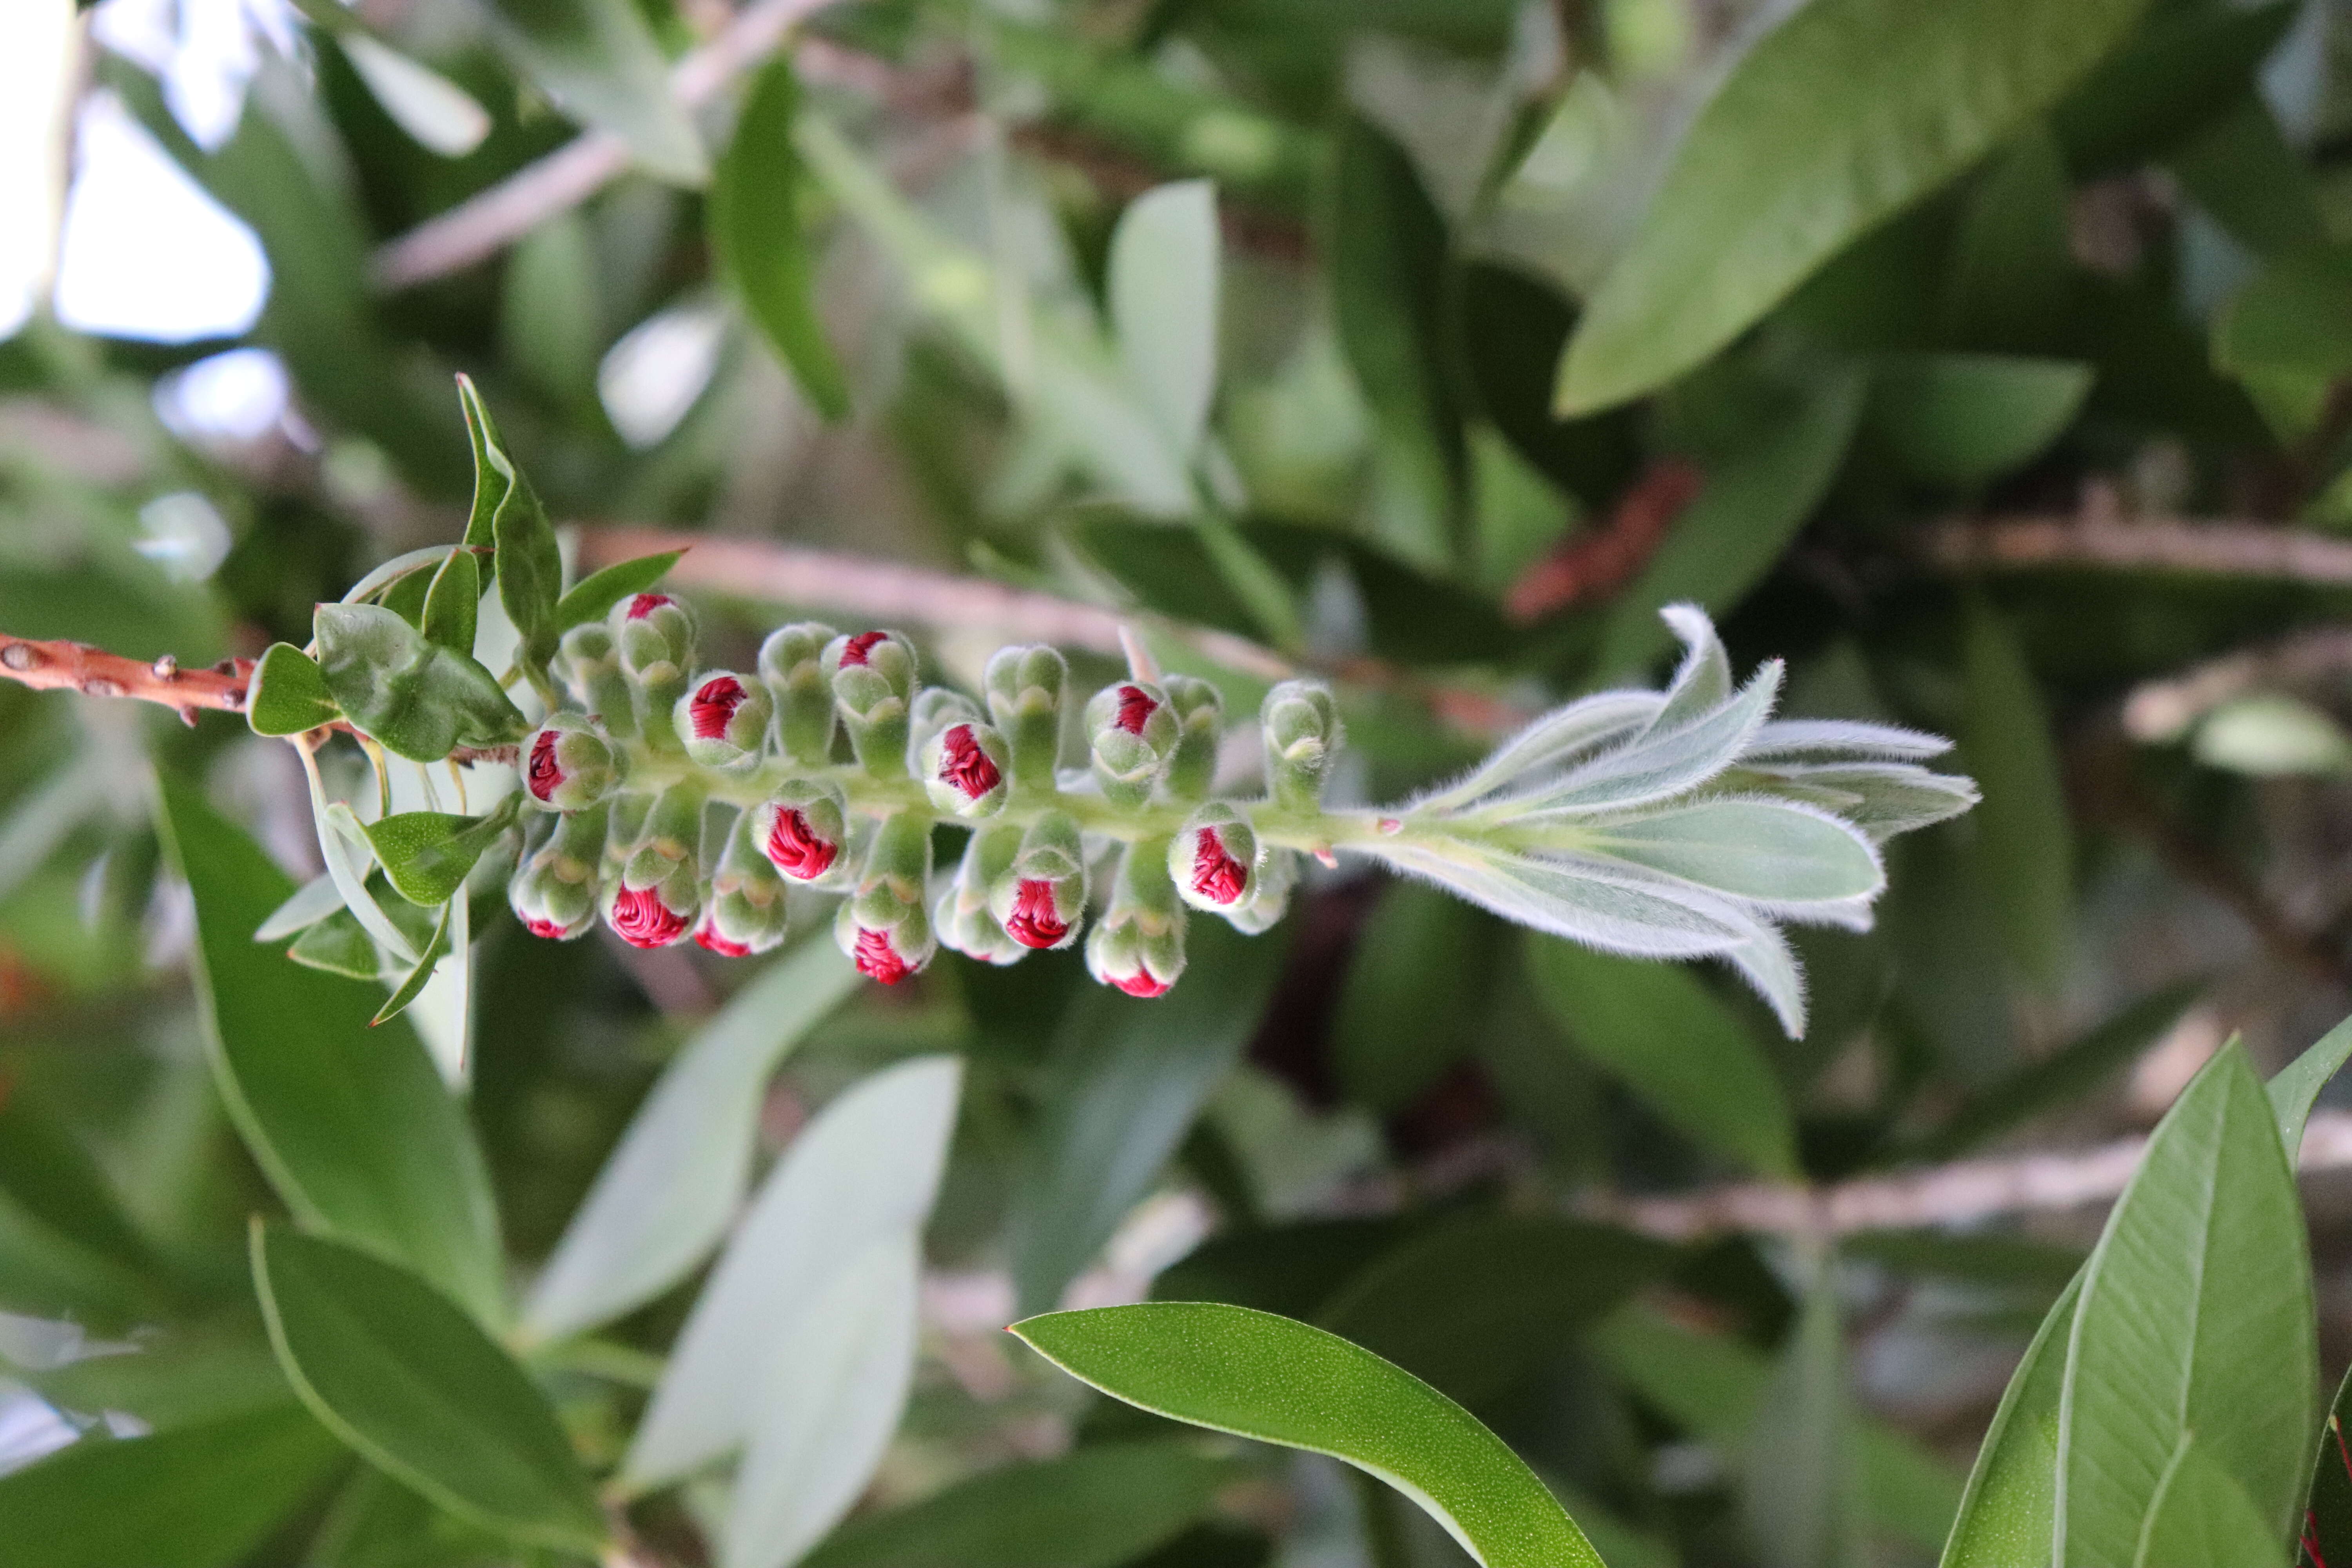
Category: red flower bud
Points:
column 544, row 773
column 860, row 646
column 796, row 849
column 644, row 605
column 1035, row 922
column 1135, row 705
column 555, row 930
column 1141, row 983
column 963, row 765
column 1216, row 875
column 706, row 935
column 713, row 705
column 878, row 960
column 643, row 919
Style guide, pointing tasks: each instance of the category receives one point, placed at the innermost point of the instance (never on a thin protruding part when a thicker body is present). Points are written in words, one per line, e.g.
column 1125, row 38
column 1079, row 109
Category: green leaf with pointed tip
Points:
column 202, row 1496
column 2327, row 1505
column 757, row 204
column 1279, row 1381
column 426, row 854
column 49, row 1174
column 2297, row 1085
column 339, row 945
column 2202, row 1515
column 2195, row 1319
column 420, row 699
column 1837, row 119
column 594, row 594
column 493, row 469
column 354, row 1129
column 288, row 695
column 529, row 569
column 1654, row 1027
column 453, row 601
column 2024, row 833
column 599, row 63
column 1964, row 419
column 2006, row 1513
column 411, row 1384
column 414, row 986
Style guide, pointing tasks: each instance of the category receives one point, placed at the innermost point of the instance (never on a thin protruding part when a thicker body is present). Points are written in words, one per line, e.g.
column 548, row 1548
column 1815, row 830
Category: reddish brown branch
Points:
column 1597, row 563
column 94, row 672
column 2101, row 543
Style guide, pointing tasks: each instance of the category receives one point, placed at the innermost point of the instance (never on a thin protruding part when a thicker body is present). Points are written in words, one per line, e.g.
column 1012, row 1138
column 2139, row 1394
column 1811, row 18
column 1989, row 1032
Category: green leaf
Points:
column 2007, row 1512
column 201, row 1496
column 1778, row 851
column 420, row 699
column 599, row 63
column 1411, row 1006
column 2296, row 1087
column 2288, row 333
column 671, row 1185
column 2242, row 171
column 1803, row 1495
column 2064, row 1075
column 313, row 901
column 177, row 1379
column 1473, row 1305
column 494, row 471
column 2026, row 837
column 594, row 594
column 1256, row 1375
column 288, row 695
column 436, row 113
column 1130, row 1077
column 1655, row 1028
column 1097, row 1508
column 396, row 1370
column 2011, row 275
column 453, row 603
column 2190, row 65
column 2195, row 1319
column 1966, row 419
column 339, row 945
column 51, row 1176
column 2328, row 1506
column 1165, row 258
column 2202, row 1515
column 1841, row 116
column 354, row 1128
column 427, row 855
column 412, row 987
column 757, row 204
column 529, row 569
column 1762, row 482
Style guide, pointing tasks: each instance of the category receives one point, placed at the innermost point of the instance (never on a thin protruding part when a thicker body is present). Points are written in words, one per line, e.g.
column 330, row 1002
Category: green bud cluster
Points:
column 687, row 801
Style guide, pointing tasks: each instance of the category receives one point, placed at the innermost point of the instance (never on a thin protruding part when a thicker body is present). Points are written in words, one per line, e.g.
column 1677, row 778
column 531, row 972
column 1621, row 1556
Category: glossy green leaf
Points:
column 2202, row 1515
column 396, row 1370
column 589, row 598
column 453, row 603
column 669, row 1189
column 1965, row 419
column 1163, row 281
column 422, row 700
column 2195, row 1319
column 1096, row 1508
column 1411, row 1007
column 2007, row 1514
column 600, row 63
column 2295, row 1088
column 1473, row 1305
column 427, row 855
column 201, row 1496
column 1130, row 1076
column 174, row 1379
column 353, row 1126
column 341, row 945
column 529, row 568
column 2064, row 1075
column 288, row 695
column 1258, row 1375
column 312, row 902
column 1657, row 1030
column 1838, row 118
column 2024, row 833
column 758, row 205
column 437, row 947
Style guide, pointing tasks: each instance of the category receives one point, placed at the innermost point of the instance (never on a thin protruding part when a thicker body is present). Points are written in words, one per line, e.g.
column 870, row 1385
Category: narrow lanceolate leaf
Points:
column 1164, row 305
column 2006, row 1515
column 426, row 854
column 200, row 1496
column 1805, row 1497
column 436, row 112
column 494, row 470
column 352, row 1127
column 453, row 603
column 1104, row 1505
column 2297, row 1088
column 288, row 695
column 1258, row 1375
column 1688, row 1056
column 860, row 1178
column 588, row 599
column 600, row 63
column 667, row 1190
column 1774, row 852
column 2023, row 826
column 1841, row 116
column 757, row 207
column 530, row 567
column 2194, row 1324
column 410, row 1383
column 410, row 988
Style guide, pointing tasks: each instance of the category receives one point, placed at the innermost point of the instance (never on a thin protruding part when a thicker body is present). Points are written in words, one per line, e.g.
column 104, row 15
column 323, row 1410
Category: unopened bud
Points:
column 961, row 913
column 553, row 890
column 962, row 769
column 654, row 636
column 792, row 666
column 723, row 721
column 743, row 911
column 1213, row 858
column 802, row 831
column 873, row 678
column 1303, row 734
column 591, row 664
column 882, row 927
column 1132, row 731
column 1138, row 945
column 568, row 764
column 1024, row 698
column 1269, row 896
column 627, row 812
column 1041, row 899
column 1199, row 724
column 654, row 901
column 672, row 827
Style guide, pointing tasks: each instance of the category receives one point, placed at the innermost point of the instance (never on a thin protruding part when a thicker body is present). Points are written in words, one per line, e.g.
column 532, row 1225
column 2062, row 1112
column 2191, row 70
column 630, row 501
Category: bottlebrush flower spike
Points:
column 568, row 764
column 722, row 719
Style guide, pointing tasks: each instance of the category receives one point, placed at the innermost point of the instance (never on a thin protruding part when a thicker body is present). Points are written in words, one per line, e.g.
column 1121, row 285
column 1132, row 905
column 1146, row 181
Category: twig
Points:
column 93, row 672
column 2162, row 711
column 1597, row 563
column 487, row 222
column 2205, row 548
column 1958, row 1194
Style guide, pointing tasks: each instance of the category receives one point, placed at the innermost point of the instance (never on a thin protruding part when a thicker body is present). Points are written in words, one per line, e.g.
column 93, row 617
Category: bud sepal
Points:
column 568, row 764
